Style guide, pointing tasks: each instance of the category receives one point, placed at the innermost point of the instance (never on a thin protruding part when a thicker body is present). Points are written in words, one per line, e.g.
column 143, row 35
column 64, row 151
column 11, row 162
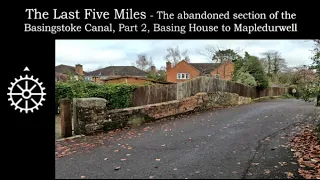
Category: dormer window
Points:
column 183, row 76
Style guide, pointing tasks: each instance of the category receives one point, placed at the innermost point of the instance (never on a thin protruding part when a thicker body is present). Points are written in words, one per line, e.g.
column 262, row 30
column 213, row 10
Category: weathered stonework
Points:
column 93, row 115
column 221, row 99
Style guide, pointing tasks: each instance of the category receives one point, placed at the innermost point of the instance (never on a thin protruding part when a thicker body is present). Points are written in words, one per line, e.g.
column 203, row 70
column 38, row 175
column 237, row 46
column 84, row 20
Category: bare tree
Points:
column 316, row 56
column 143, row 62
column 299, row 75
column 274, row 62
column 163, row 68
column 150, row 63
column 267, row 61
column 174, row 55
column 220, row 54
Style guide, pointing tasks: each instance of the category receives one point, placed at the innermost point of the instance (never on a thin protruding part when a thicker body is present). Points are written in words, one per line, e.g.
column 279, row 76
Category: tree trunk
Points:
column 224, row 71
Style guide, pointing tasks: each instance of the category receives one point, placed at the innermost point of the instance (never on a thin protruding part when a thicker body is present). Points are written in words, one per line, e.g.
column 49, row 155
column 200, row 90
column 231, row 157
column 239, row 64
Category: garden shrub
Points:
column 117, row 95
column 246, row 79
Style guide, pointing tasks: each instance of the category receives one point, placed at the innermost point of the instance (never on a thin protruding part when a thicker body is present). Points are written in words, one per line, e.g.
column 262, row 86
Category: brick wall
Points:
column 181, row 67
column 224, row 70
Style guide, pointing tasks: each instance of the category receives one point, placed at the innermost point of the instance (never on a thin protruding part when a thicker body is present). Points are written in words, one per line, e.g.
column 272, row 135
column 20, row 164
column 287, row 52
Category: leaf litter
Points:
column 306, row 148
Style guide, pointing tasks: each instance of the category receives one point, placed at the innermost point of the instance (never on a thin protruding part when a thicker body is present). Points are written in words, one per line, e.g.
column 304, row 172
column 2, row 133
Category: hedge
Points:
column 117, row 95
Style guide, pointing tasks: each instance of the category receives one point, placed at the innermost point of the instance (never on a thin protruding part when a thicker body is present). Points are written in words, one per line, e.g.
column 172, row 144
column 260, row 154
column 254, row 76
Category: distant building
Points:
column 63, row 71
column 184, row 70
column 131, row 80
column 114, row 71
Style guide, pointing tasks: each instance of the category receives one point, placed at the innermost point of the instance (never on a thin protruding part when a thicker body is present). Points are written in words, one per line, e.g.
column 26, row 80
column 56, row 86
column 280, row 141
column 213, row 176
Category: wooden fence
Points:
column 154, row 94
column 162, row 93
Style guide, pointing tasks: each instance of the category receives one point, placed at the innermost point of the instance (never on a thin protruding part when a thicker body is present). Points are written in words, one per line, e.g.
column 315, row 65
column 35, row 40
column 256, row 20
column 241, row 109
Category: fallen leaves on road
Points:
column 282, row 163
column 267, row 171
column 146, row 128
column 69, row 147
column 289, row 175
column 306, row 148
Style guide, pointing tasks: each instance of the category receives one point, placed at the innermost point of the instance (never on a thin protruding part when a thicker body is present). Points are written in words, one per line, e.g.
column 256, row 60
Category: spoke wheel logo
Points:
column 26, row 94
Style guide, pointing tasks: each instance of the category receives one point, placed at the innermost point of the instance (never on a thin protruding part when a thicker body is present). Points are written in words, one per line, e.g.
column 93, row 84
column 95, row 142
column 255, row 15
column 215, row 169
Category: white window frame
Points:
column 183, row 75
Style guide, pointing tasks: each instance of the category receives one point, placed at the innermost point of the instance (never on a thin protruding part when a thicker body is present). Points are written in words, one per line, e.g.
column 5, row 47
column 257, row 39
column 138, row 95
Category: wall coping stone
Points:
column 91, row 102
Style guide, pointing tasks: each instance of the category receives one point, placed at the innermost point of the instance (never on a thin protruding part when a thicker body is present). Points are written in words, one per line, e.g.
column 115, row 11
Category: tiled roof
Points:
column 118, row 71
column 205, row 68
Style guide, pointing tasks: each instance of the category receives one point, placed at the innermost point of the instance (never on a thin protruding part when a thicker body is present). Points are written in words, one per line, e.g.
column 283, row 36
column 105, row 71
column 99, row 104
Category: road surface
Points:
column 247, row 141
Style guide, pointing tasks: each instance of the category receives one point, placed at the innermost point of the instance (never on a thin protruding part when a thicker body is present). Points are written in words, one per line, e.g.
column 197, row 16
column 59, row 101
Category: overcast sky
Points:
column 93, row 54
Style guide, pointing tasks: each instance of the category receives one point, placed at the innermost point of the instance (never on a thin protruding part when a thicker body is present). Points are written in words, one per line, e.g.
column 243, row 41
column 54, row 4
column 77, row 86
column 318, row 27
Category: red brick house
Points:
column 184, row 71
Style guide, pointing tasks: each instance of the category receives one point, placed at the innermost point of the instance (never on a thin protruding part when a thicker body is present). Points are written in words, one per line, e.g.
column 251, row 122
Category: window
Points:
column 183, row 76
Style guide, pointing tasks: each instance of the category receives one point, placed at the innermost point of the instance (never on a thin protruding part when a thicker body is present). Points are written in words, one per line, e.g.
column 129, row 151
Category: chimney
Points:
column 153, row 69
column 79, row 69
column 168, row 65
